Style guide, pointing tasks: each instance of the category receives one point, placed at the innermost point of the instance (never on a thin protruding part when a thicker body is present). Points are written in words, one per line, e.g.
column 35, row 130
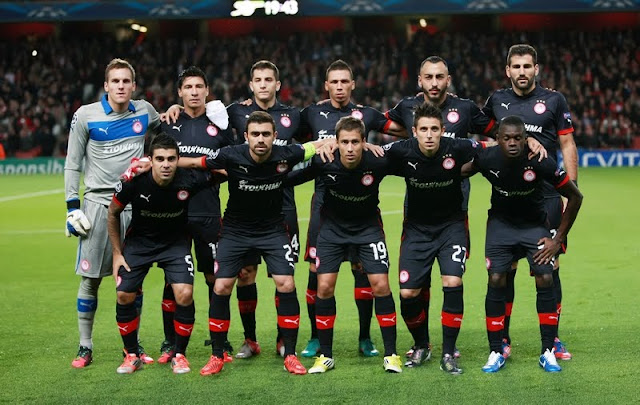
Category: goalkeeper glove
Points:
column 77, row 223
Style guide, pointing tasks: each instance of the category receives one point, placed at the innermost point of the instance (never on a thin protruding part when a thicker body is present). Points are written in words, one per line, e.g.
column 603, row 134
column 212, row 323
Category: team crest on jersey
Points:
column 529, row 175
column 85, row 265
column 487, row 261
column 212, row 130
column 119, row 187
column 285, row 121
column 404, row 276
column 367, row 180
column 312, row 252
column 357, row 114
column 137, row 127
column 539, row 108
column 448, row 163
column 183, row 195
column 216, row 267
column 453, row 117
column 282, row 167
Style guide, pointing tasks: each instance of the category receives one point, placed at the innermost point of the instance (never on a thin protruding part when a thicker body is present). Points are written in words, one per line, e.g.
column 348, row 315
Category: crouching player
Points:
column 158, row 233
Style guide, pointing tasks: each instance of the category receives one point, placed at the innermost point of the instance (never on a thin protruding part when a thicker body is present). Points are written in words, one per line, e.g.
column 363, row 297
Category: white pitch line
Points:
column 29, row 195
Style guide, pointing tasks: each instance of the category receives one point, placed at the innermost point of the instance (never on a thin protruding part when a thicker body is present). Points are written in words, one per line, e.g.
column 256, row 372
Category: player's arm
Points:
column 113, row 228
column 77, row 223
column 308, row 173
column 569, row 155
column 469, row 169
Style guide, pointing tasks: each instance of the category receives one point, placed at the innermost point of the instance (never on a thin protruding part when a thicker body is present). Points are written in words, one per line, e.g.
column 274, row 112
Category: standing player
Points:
column 351, row 219
column 548, row 120
column 265, row 83
column 253, row 222
column 319, row 121
column 518, row 226
column 158, row 233
column 435, row 226
column 103, row 138
column 196, row 135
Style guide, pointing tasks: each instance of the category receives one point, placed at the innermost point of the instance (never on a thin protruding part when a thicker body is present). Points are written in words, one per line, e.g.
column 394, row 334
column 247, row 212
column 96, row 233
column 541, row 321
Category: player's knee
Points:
column 544, row 280
column 89, row 286
column 126, row 298
column 408, row 293
column 497, row 280
column 223, row 286
column 326, row 288
column 379, row 285
column 183, row 294
column 451, row 281
column 285, row 284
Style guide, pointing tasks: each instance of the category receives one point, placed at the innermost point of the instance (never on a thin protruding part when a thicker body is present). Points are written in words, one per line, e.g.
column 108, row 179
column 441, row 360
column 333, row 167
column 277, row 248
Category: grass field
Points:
column 600, row 321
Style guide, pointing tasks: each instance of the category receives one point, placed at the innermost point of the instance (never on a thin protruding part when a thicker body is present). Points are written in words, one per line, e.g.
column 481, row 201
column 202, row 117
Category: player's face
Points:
column 164, row 163
column 350, row 144
column 193, row 92
column 119, row 86
column 522, row 72
column 434, row 80
column 340, row 84
column 428, row 131
column 264, row 85
column 260, row 139
column 512, row 140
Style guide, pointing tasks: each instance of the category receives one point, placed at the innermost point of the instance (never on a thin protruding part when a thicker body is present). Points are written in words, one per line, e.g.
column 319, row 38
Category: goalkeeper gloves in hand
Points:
column 77, row 223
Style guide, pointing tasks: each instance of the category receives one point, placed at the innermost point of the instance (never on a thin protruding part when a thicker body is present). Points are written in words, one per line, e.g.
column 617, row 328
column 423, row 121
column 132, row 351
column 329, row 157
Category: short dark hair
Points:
column 339, row 65
column 522, row 50
column 192, row 71
column 260, row 117
column 265, row 64
column 513, row 120
column 117, row 63
column 427, row 110
column 434, row 59
column 163, row 141
column 350, row 123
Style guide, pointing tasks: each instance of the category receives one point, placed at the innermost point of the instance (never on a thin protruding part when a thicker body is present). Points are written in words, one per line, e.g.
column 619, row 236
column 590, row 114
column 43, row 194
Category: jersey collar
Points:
column 107, row 107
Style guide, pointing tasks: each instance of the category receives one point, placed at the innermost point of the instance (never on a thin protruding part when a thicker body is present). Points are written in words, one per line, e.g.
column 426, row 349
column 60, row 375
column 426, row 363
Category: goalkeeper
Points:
column 103, row 138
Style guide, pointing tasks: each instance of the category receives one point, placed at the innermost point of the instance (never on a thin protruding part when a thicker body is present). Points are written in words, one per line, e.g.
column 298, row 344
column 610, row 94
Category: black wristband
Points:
column 73, row 204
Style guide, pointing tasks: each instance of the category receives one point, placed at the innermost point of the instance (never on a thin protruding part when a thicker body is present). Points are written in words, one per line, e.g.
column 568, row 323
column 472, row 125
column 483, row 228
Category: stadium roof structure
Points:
column 88, row 10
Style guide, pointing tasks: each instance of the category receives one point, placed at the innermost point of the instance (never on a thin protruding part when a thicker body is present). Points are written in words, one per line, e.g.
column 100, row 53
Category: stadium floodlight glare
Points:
column 34, row 53
column 135, row 27
column 143, row 29
column 423, row 22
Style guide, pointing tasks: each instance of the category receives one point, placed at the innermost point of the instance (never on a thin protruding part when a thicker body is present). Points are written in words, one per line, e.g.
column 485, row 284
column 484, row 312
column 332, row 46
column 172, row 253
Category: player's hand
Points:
column 171, row 115
column 136, row 167
column 247, row 102
column 547, row 250
column 118, row 261
column 536, row 148
column 326, row 151
column 375, row 149
column 77, row 223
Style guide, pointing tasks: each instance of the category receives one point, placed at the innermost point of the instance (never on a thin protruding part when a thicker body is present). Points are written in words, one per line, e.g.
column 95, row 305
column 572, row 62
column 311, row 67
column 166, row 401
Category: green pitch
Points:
column 600, row 322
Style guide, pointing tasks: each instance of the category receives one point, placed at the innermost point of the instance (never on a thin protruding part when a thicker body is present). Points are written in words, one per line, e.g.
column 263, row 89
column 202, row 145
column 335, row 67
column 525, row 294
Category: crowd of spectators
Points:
column 598, row 72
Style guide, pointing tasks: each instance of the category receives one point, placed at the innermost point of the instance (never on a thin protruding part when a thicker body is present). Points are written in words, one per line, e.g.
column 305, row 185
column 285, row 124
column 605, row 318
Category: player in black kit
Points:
column 319, row 122
column 253, row 222
column 157, row 233
column 548, row 120
column 265, row 83
column 434, row 227
column 196, row 135
column 350, row 219
column 517, row 227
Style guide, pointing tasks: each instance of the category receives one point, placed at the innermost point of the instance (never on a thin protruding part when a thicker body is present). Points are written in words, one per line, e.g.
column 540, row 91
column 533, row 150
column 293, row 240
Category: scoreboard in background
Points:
column 259, row 8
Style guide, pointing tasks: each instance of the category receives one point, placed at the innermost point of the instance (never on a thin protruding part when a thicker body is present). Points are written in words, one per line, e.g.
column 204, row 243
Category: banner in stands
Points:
column 32, row 11
column 609, row 158
column 32, row 166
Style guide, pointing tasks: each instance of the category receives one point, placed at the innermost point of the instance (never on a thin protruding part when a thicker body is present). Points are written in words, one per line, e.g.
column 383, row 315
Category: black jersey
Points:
column 545, row 114
column 196, row 137
column 287, row 121
column 159, row 214
column 517, row 184
column 460, row 116
column 434, row 193
column 255, row 189
column 350, row 195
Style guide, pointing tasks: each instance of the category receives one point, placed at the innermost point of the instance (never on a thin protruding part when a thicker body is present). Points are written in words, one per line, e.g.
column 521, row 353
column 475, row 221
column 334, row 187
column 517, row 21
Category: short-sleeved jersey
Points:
column 350, row 195
column 517, row 184
column 255, row 189
column 196, row 137
column 545, row 114
column 159, row 214
column 434, row 193
column 460, row 116
column 105, row 142
column 287, row 121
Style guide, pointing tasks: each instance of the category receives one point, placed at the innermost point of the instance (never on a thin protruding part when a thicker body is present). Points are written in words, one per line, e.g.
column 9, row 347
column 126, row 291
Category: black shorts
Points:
column 234, row 248
column 555, row 208
column 422, row 244
column 507, row 243
column 291, row 225
column 205, row 232
column 174, row 259
column 334, row 244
